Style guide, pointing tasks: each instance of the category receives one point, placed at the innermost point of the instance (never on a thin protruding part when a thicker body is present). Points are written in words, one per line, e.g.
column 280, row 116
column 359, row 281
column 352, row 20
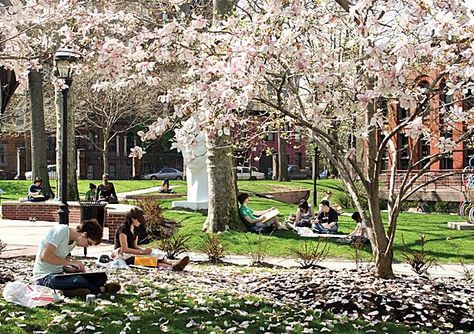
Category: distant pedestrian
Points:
column 106, row 191
column 91, row 193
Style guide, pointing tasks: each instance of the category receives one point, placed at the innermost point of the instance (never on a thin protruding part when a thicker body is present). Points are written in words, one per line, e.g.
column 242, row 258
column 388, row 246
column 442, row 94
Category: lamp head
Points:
column 63, row 59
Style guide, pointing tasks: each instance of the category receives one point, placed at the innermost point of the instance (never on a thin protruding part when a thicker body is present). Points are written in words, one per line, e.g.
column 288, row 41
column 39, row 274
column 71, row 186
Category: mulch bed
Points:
column 442, row 303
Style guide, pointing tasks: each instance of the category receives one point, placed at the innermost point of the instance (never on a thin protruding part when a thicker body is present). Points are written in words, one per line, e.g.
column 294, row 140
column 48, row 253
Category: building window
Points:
column 90, row 172
column 469, row 99
column 402, row 114
column 112, row 171
column 3, row 155
column 299, row 159
column 403, row 157
column 298, row 135
column 425, row 151
column 384, row 162
column 270, row 136
column 113, row 146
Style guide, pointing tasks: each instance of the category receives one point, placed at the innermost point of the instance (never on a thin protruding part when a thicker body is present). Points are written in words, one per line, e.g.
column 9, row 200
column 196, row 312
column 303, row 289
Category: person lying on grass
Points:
column 257, row 219
column 126, row 245
column 326, row 222
column 51, row 260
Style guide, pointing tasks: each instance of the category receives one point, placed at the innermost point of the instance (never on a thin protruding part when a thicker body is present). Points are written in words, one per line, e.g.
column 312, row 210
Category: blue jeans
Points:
column 93, row 282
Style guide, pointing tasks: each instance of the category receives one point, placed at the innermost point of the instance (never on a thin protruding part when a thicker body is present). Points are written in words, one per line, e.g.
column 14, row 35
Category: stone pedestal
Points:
column 20, row 163
column 196, row 178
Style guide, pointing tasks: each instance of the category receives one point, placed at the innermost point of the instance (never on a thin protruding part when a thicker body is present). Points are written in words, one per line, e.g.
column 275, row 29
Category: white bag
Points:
column 28, row 295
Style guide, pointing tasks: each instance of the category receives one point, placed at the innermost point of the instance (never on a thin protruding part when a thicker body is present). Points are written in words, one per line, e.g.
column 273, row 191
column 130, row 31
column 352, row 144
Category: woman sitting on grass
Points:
column 126, row 243
column 257, row 219
column 165, row 187
column 360, row 231
column 51, row 261
column 304, row 214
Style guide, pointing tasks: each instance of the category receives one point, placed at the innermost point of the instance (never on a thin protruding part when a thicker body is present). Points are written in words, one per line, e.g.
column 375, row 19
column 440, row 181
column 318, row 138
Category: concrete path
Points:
column 22, row 238
column 140, row 192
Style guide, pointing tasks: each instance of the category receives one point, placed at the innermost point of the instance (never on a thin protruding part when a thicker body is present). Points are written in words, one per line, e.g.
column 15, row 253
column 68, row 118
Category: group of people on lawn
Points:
column 326, row 222
column 104, row 193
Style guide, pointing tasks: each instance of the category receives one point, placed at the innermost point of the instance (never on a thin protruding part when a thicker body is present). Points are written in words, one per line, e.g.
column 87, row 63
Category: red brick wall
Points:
column 48, row 211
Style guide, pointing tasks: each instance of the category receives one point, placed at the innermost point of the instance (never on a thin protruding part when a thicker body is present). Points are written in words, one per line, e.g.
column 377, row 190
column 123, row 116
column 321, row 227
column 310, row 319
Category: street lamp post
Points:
column 63, row 60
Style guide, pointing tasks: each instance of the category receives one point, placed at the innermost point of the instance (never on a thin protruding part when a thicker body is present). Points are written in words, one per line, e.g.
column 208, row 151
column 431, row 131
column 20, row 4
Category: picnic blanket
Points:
column 308, row 233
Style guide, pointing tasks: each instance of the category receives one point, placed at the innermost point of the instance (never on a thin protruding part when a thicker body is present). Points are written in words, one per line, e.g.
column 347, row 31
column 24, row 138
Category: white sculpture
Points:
column 196, row 177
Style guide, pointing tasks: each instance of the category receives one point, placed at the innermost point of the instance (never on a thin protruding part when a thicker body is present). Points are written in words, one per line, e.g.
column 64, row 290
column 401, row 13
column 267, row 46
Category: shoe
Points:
column 104, row 259
column 112, row 287
column 81, row 292
column 179, row 266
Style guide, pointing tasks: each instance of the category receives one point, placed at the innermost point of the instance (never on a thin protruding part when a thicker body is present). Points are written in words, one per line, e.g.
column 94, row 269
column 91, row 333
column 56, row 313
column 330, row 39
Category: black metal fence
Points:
column 91, row 166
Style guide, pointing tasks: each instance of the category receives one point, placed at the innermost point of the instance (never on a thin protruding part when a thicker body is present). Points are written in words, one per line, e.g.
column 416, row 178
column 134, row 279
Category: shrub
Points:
column 214, row 248
column 357, row 246
column 419, row 261
column 2, row 246
column 259, row 249
column 174, row 245
column 310, row 253
column 157, row 227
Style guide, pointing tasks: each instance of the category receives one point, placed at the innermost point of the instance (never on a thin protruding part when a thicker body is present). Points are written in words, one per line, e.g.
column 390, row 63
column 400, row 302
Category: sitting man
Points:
column 257, row 219
column 326, row 222
column 35, row 193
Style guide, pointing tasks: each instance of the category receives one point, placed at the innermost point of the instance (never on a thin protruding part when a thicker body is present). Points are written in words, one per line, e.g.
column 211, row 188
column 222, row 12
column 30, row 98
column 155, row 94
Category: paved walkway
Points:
column 123, row 195
column 22, row 238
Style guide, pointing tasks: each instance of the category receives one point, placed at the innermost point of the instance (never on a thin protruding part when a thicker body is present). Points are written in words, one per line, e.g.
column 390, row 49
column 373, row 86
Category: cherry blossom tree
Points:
column 337, row 69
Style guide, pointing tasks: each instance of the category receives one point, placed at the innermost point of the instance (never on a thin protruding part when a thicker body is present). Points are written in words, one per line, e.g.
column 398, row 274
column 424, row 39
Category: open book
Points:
column 269, row 215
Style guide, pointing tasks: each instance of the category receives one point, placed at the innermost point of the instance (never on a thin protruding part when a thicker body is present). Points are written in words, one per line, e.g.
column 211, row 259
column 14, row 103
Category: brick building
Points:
column 449, row 188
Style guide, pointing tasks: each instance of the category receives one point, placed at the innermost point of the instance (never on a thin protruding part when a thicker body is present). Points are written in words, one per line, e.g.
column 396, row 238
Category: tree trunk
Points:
column 383, row 263
column 38, row 134
column 222, row 208
column 223, row 212
column 282, row 159
column 105, row 158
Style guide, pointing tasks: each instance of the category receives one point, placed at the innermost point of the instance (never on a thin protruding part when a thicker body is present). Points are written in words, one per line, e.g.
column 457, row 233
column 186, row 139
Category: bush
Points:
column 419, row 261
column 258, row 251
column 214, row 248
column 174, row 245
column 310, row 253
column 2, row 246
column 157, row 227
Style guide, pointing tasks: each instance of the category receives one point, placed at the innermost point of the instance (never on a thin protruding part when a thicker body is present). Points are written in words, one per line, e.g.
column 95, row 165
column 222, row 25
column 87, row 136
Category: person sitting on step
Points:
column 35, row 193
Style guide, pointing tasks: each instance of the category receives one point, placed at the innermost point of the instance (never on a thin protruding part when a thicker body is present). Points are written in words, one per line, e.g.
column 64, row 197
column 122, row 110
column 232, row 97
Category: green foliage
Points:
column 214, row 248
column 2, row 246
column 358, row 246
column 419, row 260
column 258, row 249
column 174, row 245
column 310, row 253
column 156, row 225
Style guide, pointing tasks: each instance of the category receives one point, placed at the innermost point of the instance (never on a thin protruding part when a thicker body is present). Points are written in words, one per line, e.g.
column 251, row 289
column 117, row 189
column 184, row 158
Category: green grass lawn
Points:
column 443, row 243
